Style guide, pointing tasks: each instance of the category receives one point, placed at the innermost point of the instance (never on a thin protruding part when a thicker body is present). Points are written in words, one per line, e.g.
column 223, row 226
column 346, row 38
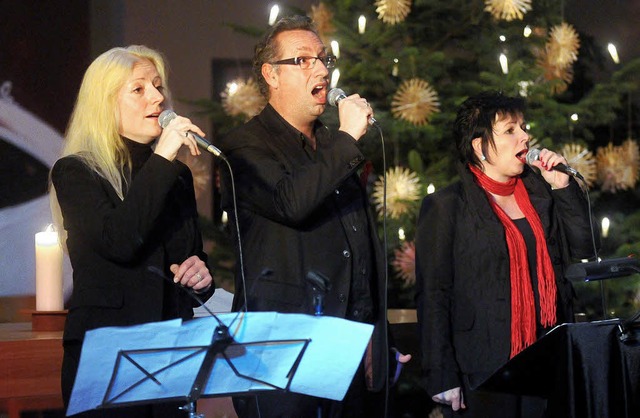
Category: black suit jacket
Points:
column 295, row 215
column 463, row 280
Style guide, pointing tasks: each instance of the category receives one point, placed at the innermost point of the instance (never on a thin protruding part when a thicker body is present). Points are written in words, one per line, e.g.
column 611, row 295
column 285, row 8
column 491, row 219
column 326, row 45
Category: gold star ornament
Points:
column 507, row 9
column 559, row 76
column 403, row 189
column 322, row 17
column 393, row 11
column 563, row 45
column 580, row 158
column 415, row 101
column 242, row 98
column 618, row 166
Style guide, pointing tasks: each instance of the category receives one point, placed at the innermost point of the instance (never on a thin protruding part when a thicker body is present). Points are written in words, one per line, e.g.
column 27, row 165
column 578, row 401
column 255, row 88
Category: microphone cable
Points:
column 603, row 301
column 385, row 299
column 245, row 307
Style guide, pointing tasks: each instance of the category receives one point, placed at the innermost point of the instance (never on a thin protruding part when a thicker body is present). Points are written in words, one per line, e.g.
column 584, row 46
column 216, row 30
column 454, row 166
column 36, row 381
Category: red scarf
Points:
column 523, row 313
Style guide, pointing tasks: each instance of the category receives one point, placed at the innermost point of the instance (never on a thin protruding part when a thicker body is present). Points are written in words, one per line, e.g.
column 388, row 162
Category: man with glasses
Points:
column 302, row 209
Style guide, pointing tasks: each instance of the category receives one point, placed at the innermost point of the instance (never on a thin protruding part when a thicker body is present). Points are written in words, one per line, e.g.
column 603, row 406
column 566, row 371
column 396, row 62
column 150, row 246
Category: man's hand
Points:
column 451, row 397
column 354, row 113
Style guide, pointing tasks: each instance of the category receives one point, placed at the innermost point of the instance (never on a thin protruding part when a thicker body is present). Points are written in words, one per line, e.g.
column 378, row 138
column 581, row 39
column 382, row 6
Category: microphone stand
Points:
column 219, row 343
column 320, row 284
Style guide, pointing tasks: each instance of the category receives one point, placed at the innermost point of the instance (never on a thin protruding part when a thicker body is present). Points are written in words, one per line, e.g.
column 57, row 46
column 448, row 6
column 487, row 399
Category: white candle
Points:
column 48, row 271
column 335, row 76
column 362, row 24
column 335, row 48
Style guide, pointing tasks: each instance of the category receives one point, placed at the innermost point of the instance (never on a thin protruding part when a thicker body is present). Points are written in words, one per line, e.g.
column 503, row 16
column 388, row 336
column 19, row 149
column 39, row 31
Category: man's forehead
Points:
column 300, row 41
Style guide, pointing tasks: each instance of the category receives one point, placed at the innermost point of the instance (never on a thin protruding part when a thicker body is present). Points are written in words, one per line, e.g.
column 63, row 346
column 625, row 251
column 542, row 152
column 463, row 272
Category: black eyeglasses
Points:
column 306, row 63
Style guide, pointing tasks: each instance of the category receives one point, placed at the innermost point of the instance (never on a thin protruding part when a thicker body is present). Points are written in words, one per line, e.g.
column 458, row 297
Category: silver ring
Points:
column 186, row 134
column 198, row 276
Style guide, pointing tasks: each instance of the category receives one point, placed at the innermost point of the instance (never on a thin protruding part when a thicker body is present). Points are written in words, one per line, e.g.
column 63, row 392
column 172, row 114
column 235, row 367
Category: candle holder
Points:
column 48, row 320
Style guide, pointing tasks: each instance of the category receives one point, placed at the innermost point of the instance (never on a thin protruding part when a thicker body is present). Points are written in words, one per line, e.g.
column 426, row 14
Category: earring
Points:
column 483, row 158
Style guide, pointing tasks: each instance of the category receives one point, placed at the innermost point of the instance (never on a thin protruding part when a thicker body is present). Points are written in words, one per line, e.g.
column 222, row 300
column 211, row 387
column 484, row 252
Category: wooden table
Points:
column 30, row 363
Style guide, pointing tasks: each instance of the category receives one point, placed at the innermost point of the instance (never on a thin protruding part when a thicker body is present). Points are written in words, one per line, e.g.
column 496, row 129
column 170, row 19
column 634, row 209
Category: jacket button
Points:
column 346, row 254
column 337, row 191
column 342, row 298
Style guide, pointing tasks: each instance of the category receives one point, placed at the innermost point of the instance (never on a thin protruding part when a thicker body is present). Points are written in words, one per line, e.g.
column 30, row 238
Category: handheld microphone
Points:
column 534, row 154
column 334, row 97
column 168, row 115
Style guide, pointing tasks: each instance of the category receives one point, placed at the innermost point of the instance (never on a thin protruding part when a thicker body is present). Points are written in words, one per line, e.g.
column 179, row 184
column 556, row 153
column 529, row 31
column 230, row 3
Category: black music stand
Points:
column 175, row 366
column 584, row 370
column 221, row 342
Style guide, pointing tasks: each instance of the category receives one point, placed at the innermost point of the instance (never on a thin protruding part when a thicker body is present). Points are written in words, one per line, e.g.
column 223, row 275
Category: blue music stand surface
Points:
column 176, row 360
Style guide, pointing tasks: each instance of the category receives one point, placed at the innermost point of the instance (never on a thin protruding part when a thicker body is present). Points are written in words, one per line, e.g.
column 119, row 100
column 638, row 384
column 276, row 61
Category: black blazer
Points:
column 295, row 215
column 463, row 281
column 111, row 242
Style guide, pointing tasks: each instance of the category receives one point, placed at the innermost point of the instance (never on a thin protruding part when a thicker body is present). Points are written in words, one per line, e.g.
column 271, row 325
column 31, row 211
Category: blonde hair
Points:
column 92, row 134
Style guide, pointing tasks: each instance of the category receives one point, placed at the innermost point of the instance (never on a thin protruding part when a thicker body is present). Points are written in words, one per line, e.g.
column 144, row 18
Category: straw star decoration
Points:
column 563, row 45
column 393, row 11
column 617, row 170
column 507, row 9
column 630, row 160
column 580, row 158
column 415, row 101
column 242, row 98
column 404, row 263
column 403, row 189
column 561, row 76
column 323, row 19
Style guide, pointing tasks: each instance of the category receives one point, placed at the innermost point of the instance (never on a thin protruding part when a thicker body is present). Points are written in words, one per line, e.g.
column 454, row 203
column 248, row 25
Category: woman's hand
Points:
column 192, row 273
column 546, row 161
column 175, row 135
column 451, row 397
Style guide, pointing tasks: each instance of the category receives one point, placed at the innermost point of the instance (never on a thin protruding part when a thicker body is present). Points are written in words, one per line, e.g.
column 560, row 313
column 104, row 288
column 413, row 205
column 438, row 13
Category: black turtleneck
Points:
column 139, row 153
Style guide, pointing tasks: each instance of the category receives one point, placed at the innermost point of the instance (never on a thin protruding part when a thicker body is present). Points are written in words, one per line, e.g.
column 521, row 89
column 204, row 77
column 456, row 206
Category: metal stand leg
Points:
column 191, row 409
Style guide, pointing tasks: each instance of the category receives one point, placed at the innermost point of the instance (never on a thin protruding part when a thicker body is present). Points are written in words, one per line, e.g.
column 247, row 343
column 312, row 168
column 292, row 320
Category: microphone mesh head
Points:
column 532, row 155
column 165, row 117
column 335, row 95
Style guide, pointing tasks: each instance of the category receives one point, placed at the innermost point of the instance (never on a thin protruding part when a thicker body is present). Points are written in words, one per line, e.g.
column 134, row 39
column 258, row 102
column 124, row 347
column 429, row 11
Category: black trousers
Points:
column 358, row 403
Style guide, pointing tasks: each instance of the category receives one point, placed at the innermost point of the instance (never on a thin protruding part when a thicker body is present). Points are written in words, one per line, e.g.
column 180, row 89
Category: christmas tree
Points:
column 417, row 61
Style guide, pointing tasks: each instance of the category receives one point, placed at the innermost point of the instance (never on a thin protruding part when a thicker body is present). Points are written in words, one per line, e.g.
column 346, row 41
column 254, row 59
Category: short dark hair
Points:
column 267, row 49
column 476, row 117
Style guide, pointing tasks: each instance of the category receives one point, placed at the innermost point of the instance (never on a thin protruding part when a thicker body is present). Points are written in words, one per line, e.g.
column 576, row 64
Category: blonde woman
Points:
column 126, row 204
